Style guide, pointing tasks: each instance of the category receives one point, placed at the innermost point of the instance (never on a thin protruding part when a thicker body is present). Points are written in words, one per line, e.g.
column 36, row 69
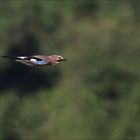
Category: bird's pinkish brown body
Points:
column 38, row 60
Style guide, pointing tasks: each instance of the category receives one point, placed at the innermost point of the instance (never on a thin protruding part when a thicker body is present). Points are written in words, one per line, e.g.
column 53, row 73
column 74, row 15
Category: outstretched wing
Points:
column 37, row 61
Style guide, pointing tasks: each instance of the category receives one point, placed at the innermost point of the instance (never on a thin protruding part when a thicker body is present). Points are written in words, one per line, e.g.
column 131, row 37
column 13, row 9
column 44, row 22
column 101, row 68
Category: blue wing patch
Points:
column 41, row 62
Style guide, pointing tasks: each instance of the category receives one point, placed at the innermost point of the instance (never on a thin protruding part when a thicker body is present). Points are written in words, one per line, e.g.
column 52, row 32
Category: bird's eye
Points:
column 59, row 58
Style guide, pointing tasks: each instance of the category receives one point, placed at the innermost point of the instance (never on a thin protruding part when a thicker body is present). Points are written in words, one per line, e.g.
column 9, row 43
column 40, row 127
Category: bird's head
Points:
column 55, row 59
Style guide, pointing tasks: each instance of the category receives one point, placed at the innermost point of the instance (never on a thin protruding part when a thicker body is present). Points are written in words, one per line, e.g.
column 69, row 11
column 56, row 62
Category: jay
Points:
column 37, row 60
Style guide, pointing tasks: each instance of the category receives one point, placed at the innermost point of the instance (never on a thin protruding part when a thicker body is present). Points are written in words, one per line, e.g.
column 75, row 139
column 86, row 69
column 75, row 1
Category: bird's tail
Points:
column 10, row 57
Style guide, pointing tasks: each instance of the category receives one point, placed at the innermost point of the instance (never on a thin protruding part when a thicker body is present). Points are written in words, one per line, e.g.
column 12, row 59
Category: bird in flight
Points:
column 37, row 60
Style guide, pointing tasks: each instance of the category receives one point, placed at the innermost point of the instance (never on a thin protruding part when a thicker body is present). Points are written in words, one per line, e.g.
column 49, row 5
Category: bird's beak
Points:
column 64, row 59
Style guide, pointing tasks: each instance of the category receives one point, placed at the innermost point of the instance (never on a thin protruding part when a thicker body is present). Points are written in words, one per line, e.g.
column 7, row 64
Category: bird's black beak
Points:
column 64, row 59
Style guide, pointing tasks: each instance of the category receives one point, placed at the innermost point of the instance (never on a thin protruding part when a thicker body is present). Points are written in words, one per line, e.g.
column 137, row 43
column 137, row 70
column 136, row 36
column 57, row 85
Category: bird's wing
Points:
column 38, row 60
column 31, row 60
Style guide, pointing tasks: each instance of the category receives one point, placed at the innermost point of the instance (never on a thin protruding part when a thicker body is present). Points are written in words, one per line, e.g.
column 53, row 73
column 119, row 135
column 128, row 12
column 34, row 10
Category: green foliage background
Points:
column 94, row 95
